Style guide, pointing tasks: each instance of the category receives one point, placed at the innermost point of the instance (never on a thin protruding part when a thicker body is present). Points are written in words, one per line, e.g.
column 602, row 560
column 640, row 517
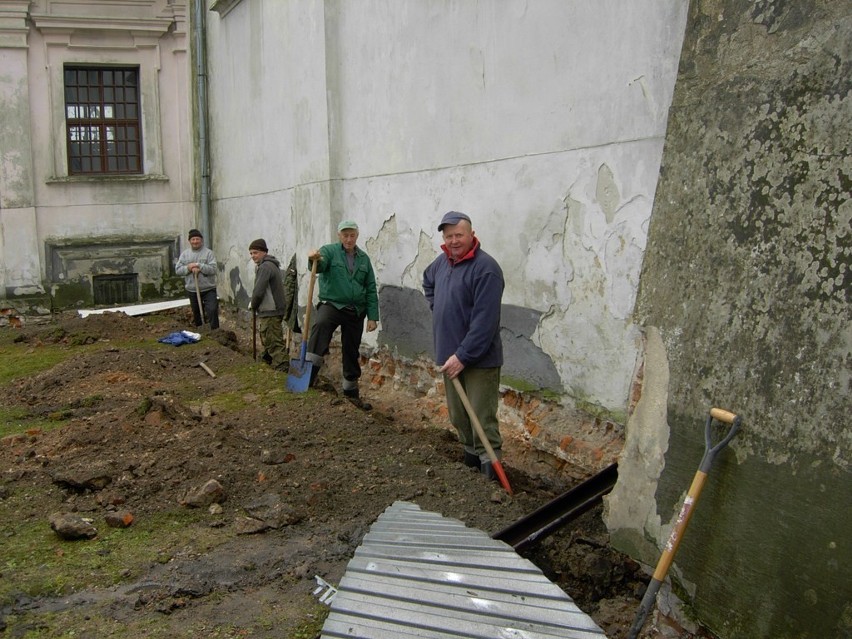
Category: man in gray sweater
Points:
column 197, row 265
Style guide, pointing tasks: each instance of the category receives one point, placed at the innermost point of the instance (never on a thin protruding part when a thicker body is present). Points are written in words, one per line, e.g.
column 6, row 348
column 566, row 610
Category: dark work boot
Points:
column 487, row 469
column 471, row 460
column 354, row 396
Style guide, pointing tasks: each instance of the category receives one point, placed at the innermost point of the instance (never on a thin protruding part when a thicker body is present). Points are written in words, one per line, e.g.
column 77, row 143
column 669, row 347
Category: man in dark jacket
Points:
column 464, row 288
column 269, row 302
column 347, row 295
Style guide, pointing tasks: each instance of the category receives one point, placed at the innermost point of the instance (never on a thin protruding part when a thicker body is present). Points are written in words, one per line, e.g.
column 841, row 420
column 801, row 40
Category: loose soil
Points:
column 143, row 426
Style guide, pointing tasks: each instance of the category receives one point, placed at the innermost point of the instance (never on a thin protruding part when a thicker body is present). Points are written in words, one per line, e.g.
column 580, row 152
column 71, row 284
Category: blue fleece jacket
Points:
column 465, row 299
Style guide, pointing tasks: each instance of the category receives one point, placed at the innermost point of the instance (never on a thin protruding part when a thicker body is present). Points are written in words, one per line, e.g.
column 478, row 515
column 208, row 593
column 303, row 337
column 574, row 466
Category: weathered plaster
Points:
column 631, row 508
column 20, row 254
column 747, row 281
column 474, row 106
column 16, row 180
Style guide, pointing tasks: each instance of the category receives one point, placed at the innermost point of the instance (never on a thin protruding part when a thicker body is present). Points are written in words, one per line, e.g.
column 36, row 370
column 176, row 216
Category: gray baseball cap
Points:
column 452, row 217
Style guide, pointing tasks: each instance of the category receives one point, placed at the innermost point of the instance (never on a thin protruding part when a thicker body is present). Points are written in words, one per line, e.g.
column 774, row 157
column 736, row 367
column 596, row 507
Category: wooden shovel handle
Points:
column 198, row 298
column 688, row 507
column 723, row 415
column 480, row 432
column 307, row 328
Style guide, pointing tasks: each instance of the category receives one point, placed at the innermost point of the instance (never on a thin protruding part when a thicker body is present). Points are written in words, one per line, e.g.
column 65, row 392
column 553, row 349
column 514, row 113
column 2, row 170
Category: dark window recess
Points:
column 116, row 289
column 102, row 120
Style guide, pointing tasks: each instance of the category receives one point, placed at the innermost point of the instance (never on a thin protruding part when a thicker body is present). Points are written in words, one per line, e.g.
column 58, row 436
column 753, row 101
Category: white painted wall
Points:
column 544, row 120
column 268, row 130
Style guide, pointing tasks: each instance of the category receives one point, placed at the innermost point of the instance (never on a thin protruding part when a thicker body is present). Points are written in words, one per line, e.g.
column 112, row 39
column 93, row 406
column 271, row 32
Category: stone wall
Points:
column 744, row 297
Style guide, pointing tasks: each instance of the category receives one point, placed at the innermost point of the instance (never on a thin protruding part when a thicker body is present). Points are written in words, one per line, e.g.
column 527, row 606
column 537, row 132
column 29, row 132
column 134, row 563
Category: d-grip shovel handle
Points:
column 685, row 514
column 723, row 415
column 710, row 450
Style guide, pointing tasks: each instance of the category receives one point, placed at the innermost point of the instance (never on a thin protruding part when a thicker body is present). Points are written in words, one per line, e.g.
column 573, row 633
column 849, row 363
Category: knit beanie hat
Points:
column 259, row 245
column 195, row 233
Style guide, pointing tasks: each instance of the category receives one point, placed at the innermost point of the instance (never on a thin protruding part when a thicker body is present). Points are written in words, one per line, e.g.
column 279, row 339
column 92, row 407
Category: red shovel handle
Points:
column 501, row 475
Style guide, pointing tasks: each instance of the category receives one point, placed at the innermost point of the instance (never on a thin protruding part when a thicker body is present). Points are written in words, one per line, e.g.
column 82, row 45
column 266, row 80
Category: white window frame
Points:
column 119, row 42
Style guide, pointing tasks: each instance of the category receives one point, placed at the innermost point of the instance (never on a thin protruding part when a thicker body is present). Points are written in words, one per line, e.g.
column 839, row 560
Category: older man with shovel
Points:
column 464, row 288
column 197, row 265
column 348, row 295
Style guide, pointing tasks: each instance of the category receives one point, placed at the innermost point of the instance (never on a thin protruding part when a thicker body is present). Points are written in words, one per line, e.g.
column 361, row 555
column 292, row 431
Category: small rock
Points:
column 84, row 479
column 71, row 527
column 119, row 519
column 273, row 511
column 210, row 493
column 275, row 457
column 109, row 498
column 249, row 526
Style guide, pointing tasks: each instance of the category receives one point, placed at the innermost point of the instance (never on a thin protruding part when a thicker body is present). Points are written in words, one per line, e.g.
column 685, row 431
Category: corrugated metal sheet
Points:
column 418, row 574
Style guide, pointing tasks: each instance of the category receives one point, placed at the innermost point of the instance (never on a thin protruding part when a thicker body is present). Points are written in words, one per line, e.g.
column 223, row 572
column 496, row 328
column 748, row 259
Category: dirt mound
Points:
column 144, row 427
column 72, row 329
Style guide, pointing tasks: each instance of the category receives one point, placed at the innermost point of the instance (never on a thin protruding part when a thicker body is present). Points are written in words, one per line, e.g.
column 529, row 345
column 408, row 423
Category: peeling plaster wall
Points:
column 544, row 121
column 268, row 135
column 745, row 294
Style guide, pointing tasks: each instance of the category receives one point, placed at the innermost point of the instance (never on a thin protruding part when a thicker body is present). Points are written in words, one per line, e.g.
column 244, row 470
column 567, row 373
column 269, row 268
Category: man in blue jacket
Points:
column 464, row 287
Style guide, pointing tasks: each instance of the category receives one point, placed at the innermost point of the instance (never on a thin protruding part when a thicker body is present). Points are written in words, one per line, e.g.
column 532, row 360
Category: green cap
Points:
column 347, row 224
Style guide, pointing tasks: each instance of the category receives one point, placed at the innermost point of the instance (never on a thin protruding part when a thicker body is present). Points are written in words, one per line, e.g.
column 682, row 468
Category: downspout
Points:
column 201, row 96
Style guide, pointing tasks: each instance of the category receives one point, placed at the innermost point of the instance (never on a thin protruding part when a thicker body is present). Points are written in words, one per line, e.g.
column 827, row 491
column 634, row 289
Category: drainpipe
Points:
column 201, row 94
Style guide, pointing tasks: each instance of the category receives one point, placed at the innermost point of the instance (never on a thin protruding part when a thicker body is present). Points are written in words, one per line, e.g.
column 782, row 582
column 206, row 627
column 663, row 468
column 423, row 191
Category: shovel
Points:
column 495, row 463
column 299, row 375
column 207, row 369
column 254, row 334
column 686, row 511
column 198, row 297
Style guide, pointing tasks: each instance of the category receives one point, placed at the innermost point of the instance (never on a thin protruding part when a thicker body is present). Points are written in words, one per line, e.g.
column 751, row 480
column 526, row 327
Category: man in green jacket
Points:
column 347, row 295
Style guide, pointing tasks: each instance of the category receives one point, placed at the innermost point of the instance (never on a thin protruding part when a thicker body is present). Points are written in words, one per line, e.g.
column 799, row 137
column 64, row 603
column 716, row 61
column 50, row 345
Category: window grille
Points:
column 116, row 289
column 102, row 120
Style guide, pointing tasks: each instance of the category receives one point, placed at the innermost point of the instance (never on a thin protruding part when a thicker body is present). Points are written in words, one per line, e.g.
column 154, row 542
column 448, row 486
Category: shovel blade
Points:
column 299, row 376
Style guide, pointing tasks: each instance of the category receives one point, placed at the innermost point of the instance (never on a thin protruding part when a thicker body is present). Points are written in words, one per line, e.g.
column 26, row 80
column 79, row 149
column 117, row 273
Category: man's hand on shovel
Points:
column 452, row 367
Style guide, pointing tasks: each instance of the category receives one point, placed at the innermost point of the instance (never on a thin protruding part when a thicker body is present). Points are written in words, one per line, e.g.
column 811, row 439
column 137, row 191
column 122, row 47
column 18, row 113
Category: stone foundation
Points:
column 547, row 437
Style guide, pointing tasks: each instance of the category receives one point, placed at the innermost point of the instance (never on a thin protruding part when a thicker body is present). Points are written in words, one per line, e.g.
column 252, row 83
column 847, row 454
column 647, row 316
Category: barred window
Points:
column 102, row 119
